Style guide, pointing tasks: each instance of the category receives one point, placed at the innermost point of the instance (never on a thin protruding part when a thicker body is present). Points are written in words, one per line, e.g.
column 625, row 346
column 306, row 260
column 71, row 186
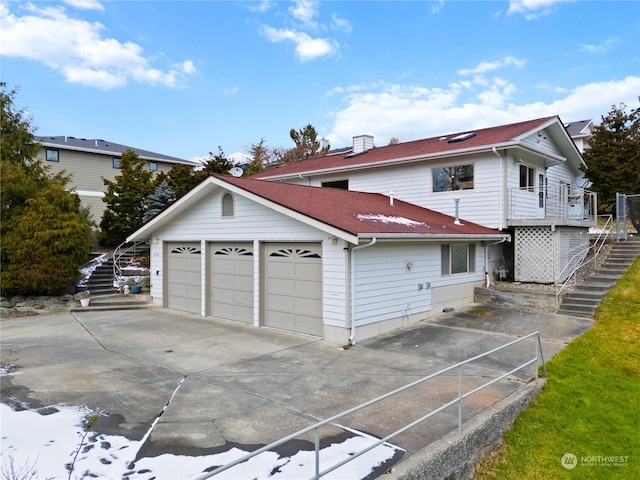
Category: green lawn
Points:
column 590, row 406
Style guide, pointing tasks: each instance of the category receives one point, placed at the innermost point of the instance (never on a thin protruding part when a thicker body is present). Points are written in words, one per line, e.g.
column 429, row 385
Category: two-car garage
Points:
column 288, row 276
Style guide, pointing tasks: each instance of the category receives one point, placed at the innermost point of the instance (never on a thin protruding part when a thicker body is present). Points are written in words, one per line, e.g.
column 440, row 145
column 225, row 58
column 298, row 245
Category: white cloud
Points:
column 305, row 11
column 85, row 4
column 79, row 49
column 341, row 24
column 437, row 6
column 387, row 111
column 307, row 48
column 485, row 67
column 261, row 7
column 533, row 9
column 603, row 47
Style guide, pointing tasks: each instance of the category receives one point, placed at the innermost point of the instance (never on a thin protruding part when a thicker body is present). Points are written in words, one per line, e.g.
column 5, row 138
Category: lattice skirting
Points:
column 542, row 254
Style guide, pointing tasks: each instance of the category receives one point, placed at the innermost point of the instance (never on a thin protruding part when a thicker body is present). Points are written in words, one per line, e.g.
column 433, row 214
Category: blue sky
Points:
column 182, row 78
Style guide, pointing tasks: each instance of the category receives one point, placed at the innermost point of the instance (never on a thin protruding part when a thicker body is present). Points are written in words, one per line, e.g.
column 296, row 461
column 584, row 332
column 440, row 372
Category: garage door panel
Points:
column 184, row 277
column 232, row 279
column 293, row 287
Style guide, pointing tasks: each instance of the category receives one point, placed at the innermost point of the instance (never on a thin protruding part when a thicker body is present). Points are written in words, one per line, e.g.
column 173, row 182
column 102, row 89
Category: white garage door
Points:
column 183, row 277
column 231, row 295
column 293, row 287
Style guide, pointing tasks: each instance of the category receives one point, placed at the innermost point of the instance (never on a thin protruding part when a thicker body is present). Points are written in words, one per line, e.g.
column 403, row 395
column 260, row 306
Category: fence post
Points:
column 460, row 399
column 317, row 476
column 621, row 216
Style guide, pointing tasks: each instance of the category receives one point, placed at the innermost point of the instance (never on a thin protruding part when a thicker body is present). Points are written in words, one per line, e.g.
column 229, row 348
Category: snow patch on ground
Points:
column 50, row 441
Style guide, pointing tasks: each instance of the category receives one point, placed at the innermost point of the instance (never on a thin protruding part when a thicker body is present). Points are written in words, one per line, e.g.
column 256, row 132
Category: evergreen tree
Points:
column 216, row 164
column 46, row 243
column 126, row 199
column 162, row 197
column 181, row 178
column 45, row 237
column 613, row 156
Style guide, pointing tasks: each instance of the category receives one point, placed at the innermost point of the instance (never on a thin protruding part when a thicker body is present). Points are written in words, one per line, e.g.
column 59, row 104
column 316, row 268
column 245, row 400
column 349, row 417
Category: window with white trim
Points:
column 458, row 258
column 227, row 205
column 527, row 177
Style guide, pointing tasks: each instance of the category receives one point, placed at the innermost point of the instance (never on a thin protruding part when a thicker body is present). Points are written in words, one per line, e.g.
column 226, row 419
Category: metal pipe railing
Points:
column 603, row 235
column 538, row 359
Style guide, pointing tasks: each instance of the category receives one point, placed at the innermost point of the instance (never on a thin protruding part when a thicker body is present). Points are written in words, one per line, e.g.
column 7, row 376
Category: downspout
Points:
column 307, row 179
column 352, row 337
column 487, row 278
column 502, row 185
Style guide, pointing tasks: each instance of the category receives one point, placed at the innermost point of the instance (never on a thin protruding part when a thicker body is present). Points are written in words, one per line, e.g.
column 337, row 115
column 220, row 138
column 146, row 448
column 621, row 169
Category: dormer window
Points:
column 227, row 205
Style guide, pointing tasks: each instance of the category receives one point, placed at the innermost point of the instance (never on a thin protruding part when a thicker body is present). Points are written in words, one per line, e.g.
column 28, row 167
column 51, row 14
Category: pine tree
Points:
column 613, row 156
column 126, row 199
column 162, row 197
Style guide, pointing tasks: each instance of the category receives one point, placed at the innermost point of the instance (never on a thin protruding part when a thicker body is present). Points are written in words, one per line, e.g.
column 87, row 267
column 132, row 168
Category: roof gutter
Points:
column 352, row 337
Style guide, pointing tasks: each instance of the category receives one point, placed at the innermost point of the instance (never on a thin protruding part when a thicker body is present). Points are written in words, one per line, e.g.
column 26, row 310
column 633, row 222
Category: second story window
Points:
column 447, row 179
column 53, row 155
column 527, row 177
column 116, row 162
column 153, row 166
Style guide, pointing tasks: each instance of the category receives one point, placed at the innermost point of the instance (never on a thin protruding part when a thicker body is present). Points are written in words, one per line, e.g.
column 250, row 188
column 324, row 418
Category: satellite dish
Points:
column 236, row 171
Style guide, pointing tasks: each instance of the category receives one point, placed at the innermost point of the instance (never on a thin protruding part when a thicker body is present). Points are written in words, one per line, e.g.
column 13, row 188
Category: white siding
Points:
column 385, row 288
column 412, row 183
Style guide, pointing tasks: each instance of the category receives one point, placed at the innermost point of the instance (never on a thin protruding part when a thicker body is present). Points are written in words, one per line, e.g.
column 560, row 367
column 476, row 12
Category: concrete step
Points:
column 587, row 294
column 116, row 302
column 577, row 311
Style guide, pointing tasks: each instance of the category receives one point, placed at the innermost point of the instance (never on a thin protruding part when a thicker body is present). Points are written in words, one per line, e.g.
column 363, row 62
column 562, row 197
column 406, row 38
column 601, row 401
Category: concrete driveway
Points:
column 236, row 385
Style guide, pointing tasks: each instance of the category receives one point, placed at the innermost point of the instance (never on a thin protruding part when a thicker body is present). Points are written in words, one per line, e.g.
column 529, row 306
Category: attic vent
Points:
column 462, row 137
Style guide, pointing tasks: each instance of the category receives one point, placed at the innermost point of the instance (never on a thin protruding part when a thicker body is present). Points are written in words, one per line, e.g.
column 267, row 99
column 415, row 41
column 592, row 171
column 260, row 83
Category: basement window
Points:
column 458, row 258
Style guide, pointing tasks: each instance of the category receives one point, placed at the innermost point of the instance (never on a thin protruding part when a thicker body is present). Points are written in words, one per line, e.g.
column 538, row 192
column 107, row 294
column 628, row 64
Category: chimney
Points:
column 362, row 143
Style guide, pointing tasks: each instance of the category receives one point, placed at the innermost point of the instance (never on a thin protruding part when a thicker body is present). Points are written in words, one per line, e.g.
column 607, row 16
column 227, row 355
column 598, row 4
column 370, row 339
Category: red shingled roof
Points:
column 357, row 213
column 484, row 138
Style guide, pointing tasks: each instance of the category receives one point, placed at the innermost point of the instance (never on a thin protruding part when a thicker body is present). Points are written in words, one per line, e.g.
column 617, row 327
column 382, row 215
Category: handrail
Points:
column 538, row 359
column 118, row 253
column 606, row 231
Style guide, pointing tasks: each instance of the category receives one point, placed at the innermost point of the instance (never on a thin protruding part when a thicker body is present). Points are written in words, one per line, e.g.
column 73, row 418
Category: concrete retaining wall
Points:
column 544, row 300
column 455, row 455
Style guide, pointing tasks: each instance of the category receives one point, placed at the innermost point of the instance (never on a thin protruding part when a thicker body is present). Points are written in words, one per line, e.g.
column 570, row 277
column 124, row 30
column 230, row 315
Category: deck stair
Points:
column 585, row 297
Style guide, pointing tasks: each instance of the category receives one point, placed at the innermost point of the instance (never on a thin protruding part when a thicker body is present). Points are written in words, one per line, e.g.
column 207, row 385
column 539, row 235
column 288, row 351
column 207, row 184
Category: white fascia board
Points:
column 114, row 153
column 336, row 232
column 395, row 237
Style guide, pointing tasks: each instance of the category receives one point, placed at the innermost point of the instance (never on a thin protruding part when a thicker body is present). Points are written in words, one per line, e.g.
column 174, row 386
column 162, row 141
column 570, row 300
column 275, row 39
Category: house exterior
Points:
column 520, row 178
column 90, row 160
column 580, row 132
column 331, row 263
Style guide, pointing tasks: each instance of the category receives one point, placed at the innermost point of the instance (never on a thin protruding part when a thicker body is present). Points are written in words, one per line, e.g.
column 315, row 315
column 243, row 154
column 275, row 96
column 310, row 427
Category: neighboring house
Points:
column 580, row 132
column 331, row 263
column 88, row 161
column 520, row 178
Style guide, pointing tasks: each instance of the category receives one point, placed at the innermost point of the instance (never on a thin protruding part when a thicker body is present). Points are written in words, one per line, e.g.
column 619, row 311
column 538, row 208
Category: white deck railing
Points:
column 560, row 204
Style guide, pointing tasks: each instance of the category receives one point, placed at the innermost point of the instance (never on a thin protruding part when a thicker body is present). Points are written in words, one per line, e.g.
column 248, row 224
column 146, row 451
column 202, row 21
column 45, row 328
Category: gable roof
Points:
column 345, row 214
column 581, row 128
column 465, row 142
column 94, row 145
